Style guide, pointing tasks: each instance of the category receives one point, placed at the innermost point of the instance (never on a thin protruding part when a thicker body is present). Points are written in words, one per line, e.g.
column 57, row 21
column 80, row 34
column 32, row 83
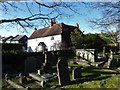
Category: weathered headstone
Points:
column 103, row 51
column 76, row 73
column 42, row 83
column 63, row 72
column 23, row 79
column 39, row 72
column 46, row 66
column 70, row 68
column 20, row 74
column 88, row 56
column 106, row 55
column 6, row 76
column 111, row 55
column 112, row 63
column 28, row 88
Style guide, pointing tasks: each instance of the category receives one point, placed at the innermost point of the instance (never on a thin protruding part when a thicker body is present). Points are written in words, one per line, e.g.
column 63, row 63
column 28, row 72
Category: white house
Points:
column 54, row 37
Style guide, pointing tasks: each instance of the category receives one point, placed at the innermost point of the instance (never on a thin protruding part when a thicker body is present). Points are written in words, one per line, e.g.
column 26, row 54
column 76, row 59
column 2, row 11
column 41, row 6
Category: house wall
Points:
column 52, row 43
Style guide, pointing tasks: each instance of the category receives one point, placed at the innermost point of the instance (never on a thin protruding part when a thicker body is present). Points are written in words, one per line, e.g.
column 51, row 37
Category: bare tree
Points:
column 45, row 12
column 110, row 21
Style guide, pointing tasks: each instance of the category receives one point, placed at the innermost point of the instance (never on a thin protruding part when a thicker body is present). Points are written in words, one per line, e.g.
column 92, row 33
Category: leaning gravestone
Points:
column 76, row 73
column 20, row 74
column 63, row 72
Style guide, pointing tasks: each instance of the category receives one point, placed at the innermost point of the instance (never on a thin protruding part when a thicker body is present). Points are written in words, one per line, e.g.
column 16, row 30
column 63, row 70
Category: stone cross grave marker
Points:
column 63, row 72
column 76, row 73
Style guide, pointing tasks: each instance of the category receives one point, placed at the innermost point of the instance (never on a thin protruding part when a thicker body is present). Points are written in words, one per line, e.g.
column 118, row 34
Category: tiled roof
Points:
column 10, row 39
column 18, row 37
column 56, row 29
column 6, row 38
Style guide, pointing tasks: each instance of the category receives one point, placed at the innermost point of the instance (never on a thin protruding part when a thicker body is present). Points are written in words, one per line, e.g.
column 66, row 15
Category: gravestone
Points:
column 42, row 83
column 6, row 76
column 112, row 63
column 28, row 88
column 106, row 55
column 87, row 56
column 39, row 72
column 76, row 73
column 110, row 60
column 103, row 51
column 20, row 74
column 63, row 72
column 23, row 79
column 46, row 66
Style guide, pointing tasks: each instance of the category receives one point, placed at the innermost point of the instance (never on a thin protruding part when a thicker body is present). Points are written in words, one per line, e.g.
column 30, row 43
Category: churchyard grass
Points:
column 92, row 77
column 93, row 80
column 5, row 84
column 29, row 83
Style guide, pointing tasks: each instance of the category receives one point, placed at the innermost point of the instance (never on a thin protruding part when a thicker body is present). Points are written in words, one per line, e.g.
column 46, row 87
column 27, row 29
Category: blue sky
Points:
column 82, row 20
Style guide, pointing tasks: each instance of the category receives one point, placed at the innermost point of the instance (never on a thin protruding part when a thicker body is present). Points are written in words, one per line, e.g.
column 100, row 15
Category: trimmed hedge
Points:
column 17, row 57
column 11, row 46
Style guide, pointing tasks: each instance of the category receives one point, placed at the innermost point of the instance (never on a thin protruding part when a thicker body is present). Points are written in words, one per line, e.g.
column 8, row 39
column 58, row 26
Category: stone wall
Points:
column 86, row 54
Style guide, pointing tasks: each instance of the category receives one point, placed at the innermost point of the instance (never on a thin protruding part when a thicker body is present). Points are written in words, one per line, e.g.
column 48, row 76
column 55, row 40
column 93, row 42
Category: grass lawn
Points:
column 96, row 78
column 5, row 85
column 30, row 83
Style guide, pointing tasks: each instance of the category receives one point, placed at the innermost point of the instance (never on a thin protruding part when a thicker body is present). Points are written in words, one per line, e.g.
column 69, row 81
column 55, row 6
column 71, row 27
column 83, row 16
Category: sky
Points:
column 82, row 19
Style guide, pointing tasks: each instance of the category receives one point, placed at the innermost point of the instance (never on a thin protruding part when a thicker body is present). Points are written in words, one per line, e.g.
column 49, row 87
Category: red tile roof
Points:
column 56, row 29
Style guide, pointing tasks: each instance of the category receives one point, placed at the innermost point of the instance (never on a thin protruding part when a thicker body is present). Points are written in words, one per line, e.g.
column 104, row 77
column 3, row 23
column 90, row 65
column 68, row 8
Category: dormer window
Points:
column 52, row 38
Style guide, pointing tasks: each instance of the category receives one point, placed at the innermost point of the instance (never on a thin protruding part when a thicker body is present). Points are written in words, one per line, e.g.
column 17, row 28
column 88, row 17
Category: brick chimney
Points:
column 52, row 22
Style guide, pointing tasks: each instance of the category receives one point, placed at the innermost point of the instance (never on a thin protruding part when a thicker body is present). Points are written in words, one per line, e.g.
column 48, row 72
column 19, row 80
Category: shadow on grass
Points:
column 88, row 78
column 99, row 70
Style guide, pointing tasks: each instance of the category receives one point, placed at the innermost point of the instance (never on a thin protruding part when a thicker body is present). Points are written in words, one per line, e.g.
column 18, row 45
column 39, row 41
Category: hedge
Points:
column 11, row 46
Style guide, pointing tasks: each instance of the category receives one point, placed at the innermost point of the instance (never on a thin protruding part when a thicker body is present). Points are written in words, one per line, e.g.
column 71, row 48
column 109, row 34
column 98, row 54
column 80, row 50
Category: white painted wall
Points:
column 0, row 41
column 8, row 41
column 14, row 42
column 33, row 43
